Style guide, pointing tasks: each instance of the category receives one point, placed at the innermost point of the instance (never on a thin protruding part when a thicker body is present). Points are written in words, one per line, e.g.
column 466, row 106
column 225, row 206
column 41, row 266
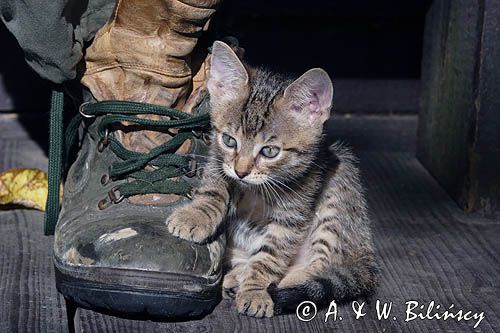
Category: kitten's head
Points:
column 267, row 127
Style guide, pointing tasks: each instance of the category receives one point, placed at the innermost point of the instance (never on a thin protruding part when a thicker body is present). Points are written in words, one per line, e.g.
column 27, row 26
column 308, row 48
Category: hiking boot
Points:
column 138, row 160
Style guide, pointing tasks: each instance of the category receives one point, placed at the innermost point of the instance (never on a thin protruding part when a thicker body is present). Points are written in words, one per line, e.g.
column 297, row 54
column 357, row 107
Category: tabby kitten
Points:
column 296, row 217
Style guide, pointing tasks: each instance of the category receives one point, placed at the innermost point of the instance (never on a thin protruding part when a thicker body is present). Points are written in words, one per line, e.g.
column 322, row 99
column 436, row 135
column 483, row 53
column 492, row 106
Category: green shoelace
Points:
column 131, row 165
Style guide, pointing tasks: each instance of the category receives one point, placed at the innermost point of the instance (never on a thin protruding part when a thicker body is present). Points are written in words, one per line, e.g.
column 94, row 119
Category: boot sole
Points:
column 171, row 297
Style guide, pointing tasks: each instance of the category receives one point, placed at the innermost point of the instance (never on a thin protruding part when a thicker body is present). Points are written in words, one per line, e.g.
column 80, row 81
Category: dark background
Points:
column 361, row 39
column 350, row 39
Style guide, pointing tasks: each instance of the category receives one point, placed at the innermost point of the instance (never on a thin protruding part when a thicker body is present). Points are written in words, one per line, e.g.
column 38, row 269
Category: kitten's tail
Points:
column 339, row 284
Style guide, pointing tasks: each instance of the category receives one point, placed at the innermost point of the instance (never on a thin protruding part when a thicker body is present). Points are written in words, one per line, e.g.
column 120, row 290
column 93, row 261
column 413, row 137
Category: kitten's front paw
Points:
column 190, row 224
column 256, row 303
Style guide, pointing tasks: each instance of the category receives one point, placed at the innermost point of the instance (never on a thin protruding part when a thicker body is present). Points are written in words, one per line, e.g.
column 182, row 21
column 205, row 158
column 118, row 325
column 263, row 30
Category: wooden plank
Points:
column 485, row 156
column 30, row 302
column 459, row 129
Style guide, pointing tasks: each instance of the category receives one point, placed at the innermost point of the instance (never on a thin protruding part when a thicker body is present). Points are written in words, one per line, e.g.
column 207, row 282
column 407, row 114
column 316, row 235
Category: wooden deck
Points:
column 428, row 251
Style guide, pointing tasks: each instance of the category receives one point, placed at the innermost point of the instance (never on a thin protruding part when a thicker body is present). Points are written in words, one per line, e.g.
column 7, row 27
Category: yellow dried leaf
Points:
column 25, row 187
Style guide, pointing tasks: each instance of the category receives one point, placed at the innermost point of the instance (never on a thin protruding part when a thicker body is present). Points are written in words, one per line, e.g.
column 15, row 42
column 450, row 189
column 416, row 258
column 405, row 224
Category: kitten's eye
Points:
column 228, row 140
column 270, row 151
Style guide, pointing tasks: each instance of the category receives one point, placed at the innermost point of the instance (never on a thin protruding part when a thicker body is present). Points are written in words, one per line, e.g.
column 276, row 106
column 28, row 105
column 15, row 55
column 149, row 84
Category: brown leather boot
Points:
column 145, row 54
column 136, row 164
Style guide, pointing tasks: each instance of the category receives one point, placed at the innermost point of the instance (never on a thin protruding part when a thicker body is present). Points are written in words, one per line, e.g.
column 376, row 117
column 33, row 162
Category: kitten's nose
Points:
column 241, row 174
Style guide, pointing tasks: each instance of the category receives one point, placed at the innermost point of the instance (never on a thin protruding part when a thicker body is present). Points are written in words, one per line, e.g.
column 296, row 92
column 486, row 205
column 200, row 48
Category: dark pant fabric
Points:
column 53, row 33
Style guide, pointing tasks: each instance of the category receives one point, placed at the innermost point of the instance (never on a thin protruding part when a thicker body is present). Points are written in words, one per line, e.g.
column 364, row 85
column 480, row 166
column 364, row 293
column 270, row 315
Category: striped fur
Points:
column 297, row 224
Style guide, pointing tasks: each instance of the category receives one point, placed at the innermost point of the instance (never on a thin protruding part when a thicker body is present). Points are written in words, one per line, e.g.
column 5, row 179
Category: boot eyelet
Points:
column 81, row 110
column 103, row 143
column 115, row 196
column 100, row 146
column 105, row 179
column 103, row 204
column 206, row 138
column 192, row 169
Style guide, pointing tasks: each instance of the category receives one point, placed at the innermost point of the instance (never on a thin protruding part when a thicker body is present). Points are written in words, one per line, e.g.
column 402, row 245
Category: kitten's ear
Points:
column 310, row 96
column 228, row 77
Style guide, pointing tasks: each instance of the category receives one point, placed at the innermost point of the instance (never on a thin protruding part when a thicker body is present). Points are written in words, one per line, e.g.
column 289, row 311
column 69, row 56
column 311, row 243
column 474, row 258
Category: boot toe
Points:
column 119, row 264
